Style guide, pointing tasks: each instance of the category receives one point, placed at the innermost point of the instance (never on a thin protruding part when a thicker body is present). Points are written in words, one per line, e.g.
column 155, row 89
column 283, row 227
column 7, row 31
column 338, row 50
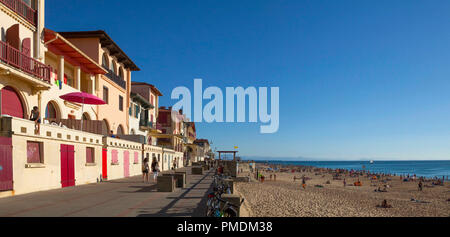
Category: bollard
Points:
column 234, row 199
column 166, row 183
column 185, row 177
column 197, row 170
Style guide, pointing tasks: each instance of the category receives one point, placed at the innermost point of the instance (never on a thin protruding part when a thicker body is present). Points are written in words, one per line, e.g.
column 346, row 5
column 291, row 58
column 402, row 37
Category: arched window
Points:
column 11, row 104
column 105, row 61
column 121, row 75
column 113, row 67
column 105, row 127
column 51, row 111
column 86, row 116
column 120, row 130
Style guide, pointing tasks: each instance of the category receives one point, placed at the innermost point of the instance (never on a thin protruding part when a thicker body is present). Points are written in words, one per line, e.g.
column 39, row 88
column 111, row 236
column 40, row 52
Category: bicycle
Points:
column 227, row 210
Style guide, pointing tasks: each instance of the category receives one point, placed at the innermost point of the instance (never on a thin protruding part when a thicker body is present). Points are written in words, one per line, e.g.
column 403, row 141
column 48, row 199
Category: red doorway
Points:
column 126, row 164
column 67, row 165
column 6, row 166
column 105, row 163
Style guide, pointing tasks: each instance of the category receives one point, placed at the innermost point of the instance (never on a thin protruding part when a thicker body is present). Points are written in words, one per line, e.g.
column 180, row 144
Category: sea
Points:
column 429, row 169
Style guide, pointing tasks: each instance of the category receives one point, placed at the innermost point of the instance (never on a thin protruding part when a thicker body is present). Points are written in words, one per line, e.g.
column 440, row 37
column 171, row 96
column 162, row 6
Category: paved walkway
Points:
column 128, row 197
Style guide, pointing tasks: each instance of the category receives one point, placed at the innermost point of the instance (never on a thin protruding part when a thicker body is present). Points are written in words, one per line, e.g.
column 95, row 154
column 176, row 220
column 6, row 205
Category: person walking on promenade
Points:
column 145, row 170
column 155, row 168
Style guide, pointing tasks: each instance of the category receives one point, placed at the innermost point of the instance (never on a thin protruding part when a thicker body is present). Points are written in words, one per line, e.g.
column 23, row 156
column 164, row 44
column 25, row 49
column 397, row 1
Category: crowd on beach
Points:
column 336, row 192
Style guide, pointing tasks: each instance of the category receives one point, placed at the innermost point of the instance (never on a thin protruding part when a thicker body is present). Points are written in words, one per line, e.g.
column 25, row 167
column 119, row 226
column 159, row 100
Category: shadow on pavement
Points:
column 199, row 211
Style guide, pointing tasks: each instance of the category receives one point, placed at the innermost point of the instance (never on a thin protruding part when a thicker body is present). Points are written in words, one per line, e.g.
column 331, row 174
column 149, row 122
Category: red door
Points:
column 6, row 167
column 126, row 164
column 105, row 163
column 67, row 165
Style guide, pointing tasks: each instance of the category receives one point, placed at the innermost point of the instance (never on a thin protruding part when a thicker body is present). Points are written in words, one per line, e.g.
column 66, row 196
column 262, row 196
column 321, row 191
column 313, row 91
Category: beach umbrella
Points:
column 82, row 98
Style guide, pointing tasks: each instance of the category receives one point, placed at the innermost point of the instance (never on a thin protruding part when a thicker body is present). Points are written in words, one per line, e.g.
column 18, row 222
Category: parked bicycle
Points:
column 214, row 201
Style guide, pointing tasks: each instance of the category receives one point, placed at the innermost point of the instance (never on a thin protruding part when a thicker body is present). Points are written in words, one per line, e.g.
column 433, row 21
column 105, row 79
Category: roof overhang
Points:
column 141, row 100
column 61, row 46
column 106, row 42
column 152, row 87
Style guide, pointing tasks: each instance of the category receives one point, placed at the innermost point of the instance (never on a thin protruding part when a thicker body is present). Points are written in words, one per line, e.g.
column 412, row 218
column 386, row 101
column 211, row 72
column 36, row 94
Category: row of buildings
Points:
column 78, row 144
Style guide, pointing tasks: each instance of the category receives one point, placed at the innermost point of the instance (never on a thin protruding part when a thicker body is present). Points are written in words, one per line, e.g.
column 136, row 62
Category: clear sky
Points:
column 357, row 79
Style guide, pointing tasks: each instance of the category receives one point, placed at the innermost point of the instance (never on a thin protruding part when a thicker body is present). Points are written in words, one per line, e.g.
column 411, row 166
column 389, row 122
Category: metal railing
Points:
column 22, row 9
column 19, row 60
column 116, row 79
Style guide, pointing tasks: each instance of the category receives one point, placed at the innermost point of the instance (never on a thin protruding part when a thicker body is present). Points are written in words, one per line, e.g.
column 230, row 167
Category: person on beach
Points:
column 420, row 185
column 155, row 168
column 274, row 177
column 270, row 177
column 303, row 182
column 345, row 183
column 145, row 170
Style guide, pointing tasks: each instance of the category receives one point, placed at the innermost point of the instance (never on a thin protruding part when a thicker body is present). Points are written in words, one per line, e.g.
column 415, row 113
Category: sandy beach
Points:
column 287, row 198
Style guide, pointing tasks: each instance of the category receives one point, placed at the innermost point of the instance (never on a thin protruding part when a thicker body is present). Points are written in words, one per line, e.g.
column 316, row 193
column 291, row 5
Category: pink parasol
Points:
column 83, row 98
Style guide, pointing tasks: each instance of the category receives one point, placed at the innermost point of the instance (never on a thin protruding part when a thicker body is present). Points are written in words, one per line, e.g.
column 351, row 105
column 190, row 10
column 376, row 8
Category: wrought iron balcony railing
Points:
column 116, row 79
column 22, row 9
column 23, row 62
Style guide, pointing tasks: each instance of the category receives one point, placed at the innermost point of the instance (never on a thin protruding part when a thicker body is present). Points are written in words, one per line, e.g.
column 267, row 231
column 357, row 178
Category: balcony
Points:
column 146, row 124
column 11, row 56
column 116, row 79
column 22, row 9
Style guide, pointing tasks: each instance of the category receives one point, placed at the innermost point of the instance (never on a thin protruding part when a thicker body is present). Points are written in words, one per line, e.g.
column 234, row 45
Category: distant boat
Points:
column 371, row 162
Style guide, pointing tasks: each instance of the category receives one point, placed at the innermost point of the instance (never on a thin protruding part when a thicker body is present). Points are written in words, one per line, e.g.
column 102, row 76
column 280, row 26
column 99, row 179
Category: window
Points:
column 50, row 111
column 130, row 109
column 137, row 111
column 34, row 152
column 114, row 157
column 113, row 67
column 121, row 73
column 104, row 61
column 120, row 103
column 105, row 94
column 90, row 155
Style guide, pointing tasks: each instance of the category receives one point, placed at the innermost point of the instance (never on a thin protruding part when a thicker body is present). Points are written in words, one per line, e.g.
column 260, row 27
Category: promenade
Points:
column 128, row 197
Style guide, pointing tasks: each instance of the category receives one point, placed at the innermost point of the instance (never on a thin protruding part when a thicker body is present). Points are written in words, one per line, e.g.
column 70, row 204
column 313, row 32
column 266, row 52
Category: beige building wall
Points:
column 116, row 170
column 64, row 109
column 109, row 112
column 47, row 175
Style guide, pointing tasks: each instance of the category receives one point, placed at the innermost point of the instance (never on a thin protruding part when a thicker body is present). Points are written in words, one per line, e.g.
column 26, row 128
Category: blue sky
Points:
column 357, row 79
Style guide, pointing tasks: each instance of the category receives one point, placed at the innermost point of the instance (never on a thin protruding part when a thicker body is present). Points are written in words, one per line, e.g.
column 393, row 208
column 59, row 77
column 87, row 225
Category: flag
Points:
column 235, row 147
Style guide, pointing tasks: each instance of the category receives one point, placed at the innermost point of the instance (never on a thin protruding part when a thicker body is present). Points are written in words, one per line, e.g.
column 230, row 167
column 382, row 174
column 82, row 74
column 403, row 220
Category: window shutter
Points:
column 33, row 152
column 12, row 36
column 26, row 46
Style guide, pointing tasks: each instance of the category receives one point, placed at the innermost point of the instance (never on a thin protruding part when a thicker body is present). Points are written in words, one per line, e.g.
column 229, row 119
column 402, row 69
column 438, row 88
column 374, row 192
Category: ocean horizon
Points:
column 425, row 168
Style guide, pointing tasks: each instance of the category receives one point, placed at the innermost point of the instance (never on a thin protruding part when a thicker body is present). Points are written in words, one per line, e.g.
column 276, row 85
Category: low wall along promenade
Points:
column 60, row 157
